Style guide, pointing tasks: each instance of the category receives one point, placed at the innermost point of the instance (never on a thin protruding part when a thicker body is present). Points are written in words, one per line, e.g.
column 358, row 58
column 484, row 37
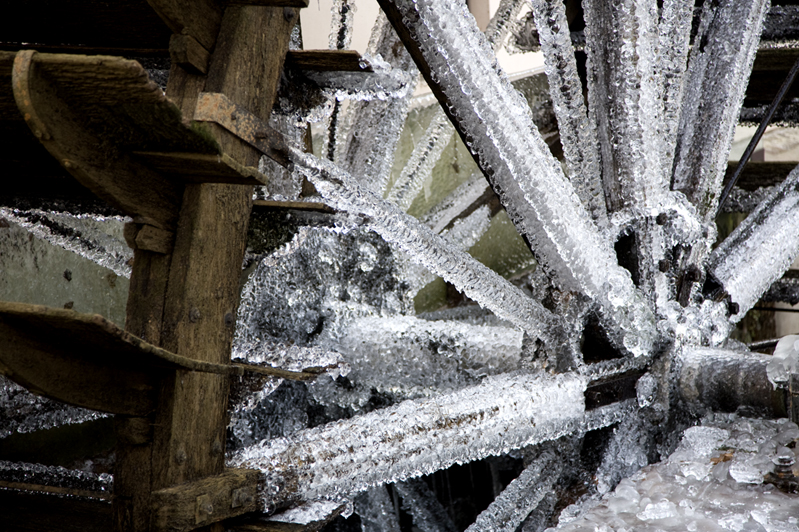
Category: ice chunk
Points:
column 472, row 278
column 310, row 514
column 415, row 438
column 785, row 361
column 376, row 510
column 520, row 497
column 419, row 501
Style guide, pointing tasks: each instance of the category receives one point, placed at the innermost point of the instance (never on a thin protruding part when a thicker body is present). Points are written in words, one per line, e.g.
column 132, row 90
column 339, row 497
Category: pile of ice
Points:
column 713, row 481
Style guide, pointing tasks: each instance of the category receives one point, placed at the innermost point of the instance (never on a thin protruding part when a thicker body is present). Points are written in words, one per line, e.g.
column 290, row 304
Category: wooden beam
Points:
column 209, row 500
column 760, row 174
column 187, row 52
column 327, row 60
column 37, row 511
column 199, row 18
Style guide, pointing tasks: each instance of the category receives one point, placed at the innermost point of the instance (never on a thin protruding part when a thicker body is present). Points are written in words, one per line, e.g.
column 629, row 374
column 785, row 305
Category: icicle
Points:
column 341, row 24
column 498, row 128
column 415, row 438
column 458, row 203
column 96, row 238
column 405, row 357
column 715, row 83
column 376, row 510
column 520, row 497
column 419, row 501
column 577, row 134
column 472, row 278
column 760, row 249
column 674, row 34
column 623, row 96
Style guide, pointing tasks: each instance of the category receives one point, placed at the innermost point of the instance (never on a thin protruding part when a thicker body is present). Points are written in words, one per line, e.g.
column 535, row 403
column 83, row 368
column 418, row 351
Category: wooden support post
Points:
column 192, row 293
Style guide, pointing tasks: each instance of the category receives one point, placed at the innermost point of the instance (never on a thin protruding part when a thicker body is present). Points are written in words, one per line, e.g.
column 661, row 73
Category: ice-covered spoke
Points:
column 578, row 135
column 715, row 83
column 760, row 249
column 520, row 497
column 92, row 484
column 420, row 501
column 469, row 276
column 623, row 96
column 463, row 199
column 374, row 126
column 415, row 438
column 376, row 510
column 498, row 128
column 96, row 238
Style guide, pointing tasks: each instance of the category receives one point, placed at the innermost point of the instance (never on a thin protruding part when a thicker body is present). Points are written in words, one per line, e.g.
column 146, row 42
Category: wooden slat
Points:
column 202, row 168
column 209, row 500
column 760, row 174
column 297, row 205
column 327, row 60
column 199, row 18
column 26, row 511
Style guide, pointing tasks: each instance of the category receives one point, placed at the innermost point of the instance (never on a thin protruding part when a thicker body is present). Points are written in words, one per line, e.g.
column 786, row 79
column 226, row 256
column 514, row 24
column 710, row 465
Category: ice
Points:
column 520, row 497
column 715, row 83
column 101, row 484
column 306, row 515
column 472, row 278
column 457, row 204
column 376, row 510
column 785, row 361
column 760, row 249
column 374, row 126
column 626, row 453
column 577, row 134
column 678, row 494
column 23, row 412
column 414, row 438
column 420, row 501
column 498, row 128
column 383, row 83
column 404, row 356
column 624, row 98
column 97, row 238
column 341, row 24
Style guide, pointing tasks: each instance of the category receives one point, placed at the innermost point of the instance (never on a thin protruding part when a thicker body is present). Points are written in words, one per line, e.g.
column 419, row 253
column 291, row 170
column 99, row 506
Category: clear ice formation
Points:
column 457, row 203
column 715, row 83
column 383, row 83
column 407, row 357
column 23, row 412
column 376, row 510
column 712, row 482
column 785, row 361
column 520, row 497
column 578, row 135
column 761, row 248
column 497, row 126
column 432, row 251
column 58, row 476
column 341, row 24
column 414, row 438
column 420, row 501
column 373, row 127
column 96, row 238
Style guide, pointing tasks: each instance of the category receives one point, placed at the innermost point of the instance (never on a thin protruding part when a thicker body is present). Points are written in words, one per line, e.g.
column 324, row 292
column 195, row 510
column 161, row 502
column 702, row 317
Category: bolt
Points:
column 733, row 307
column 180, row 455
column 662, row 218
column 693, row 274
column 194, row 315
column 664, row 265
column 229, row 320
column 288, row 13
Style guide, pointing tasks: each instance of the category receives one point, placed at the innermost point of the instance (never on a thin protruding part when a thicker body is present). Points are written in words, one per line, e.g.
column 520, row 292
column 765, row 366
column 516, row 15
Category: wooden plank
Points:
column 199, row 18
column 298, row 205
column 186, row 52
column 91, row 159
column 760, row 174
column 55, row 490
column 327, row 60
column 202, row 168
column 208, row 500
column 25, row 511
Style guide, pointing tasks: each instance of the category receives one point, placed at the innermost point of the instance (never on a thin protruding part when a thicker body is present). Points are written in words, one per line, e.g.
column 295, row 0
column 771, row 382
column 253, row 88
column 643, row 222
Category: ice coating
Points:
column 761, row 248
column 23, row 412
column 420, row 501
column 97, row 238
column 624, row 98
column 715, row 83
column 376, row 510
column 374, row 126
column 432, row 251
column 101, row 484
column 457, row 203
column 520, row 497
column 497, row 126
column 404, row 356
column 341, row 26
column 578, row 135
column 712, row 482
column 415, row 437
column 307, row 515
column 384, row 83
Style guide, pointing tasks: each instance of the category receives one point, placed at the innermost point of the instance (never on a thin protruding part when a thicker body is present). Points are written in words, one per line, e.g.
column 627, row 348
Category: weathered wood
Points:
column 760, row 174
column 55, row 490
column 209, row 500
column 42, row 512
column 298, row 205
column 148, row 238
column 327, row 60
column 198, row 18
column 202, row 168
column 91, row 159
column 309, row 517
column 185, row 51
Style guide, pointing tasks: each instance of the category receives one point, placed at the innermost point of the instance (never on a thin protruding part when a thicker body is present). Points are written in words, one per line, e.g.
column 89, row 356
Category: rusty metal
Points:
column 217, row 108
